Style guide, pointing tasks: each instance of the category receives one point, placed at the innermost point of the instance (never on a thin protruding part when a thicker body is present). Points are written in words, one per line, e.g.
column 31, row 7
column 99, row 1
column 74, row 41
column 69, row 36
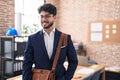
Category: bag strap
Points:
column 62, row 40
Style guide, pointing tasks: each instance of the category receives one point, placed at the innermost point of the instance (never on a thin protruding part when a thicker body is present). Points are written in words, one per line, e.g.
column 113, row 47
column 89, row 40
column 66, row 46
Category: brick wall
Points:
column 73, row 18
column 6, row 15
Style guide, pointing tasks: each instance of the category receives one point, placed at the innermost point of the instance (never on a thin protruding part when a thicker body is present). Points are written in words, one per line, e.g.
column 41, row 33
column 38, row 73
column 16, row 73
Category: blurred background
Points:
column 94, row 26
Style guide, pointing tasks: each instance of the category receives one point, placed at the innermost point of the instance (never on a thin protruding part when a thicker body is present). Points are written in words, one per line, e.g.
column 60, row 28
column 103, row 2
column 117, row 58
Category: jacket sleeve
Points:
column 28, row 61
column 72, row 59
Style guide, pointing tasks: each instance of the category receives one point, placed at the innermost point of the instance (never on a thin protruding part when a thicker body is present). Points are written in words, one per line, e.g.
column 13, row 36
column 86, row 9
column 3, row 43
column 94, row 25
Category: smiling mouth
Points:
column 44, row 23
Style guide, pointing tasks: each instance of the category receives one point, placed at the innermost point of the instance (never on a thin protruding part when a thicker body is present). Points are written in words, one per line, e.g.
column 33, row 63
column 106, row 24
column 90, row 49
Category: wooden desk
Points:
column 19, row 77
column 112, row 73
column 77, row 76
column 115, row 69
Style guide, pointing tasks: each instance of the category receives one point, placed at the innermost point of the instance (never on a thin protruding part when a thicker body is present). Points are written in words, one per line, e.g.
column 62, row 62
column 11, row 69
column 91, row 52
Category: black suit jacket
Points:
column 36, row 53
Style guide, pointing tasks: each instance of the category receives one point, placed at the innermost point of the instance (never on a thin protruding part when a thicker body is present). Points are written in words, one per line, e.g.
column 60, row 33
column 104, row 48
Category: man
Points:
column 41, row 48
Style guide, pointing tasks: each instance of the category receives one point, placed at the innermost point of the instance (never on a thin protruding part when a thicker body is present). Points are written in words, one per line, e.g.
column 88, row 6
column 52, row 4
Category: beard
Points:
column 48, row 26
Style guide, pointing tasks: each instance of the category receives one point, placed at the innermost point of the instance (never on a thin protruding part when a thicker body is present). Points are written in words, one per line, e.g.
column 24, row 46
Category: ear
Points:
column 54, row 17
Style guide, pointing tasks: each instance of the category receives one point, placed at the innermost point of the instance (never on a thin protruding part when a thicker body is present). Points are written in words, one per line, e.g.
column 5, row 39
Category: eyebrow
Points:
column 46, row 14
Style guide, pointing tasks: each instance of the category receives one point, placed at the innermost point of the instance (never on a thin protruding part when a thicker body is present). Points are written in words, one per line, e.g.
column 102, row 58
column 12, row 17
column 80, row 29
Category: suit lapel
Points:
column 42, row 42
column 56, row 39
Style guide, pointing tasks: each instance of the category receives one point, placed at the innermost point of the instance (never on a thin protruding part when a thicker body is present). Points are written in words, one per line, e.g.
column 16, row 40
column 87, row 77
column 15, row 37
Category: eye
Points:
column 46, row 16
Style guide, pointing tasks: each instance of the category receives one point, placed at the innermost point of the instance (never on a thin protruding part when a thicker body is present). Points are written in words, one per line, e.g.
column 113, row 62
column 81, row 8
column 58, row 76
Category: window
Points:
column 27, row 19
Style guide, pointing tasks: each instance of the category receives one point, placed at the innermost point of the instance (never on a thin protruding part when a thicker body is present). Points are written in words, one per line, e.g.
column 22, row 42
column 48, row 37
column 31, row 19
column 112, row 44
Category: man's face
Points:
column 47, row 19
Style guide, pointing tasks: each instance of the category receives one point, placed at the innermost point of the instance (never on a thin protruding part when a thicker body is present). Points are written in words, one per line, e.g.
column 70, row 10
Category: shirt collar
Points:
column 51, row 31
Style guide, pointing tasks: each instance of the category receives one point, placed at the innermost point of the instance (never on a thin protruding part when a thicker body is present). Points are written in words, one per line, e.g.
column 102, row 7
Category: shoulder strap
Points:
column 62, row 40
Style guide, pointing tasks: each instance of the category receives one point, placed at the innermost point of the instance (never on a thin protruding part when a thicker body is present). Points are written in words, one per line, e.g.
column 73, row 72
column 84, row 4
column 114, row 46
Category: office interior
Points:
column 94, row 26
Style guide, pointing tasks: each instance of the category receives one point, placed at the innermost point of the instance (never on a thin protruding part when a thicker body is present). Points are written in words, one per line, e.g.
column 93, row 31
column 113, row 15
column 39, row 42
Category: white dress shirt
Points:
column 49, row 41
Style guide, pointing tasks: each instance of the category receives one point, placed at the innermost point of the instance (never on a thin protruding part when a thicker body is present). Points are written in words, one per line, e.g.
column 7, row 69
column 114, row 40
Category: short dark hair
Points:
column 48, row 8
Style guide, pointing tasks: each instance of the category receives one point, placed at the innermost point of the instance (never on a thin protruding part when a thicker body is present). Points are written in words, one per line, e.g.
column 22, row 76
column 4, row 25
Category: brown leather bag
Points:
column 44, row 74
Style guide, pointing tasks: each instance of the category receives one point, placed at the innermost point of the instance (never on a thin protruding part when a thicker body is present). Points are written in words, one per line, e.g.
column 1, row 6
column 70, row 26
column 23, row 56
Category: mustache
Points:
column 44, row 22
